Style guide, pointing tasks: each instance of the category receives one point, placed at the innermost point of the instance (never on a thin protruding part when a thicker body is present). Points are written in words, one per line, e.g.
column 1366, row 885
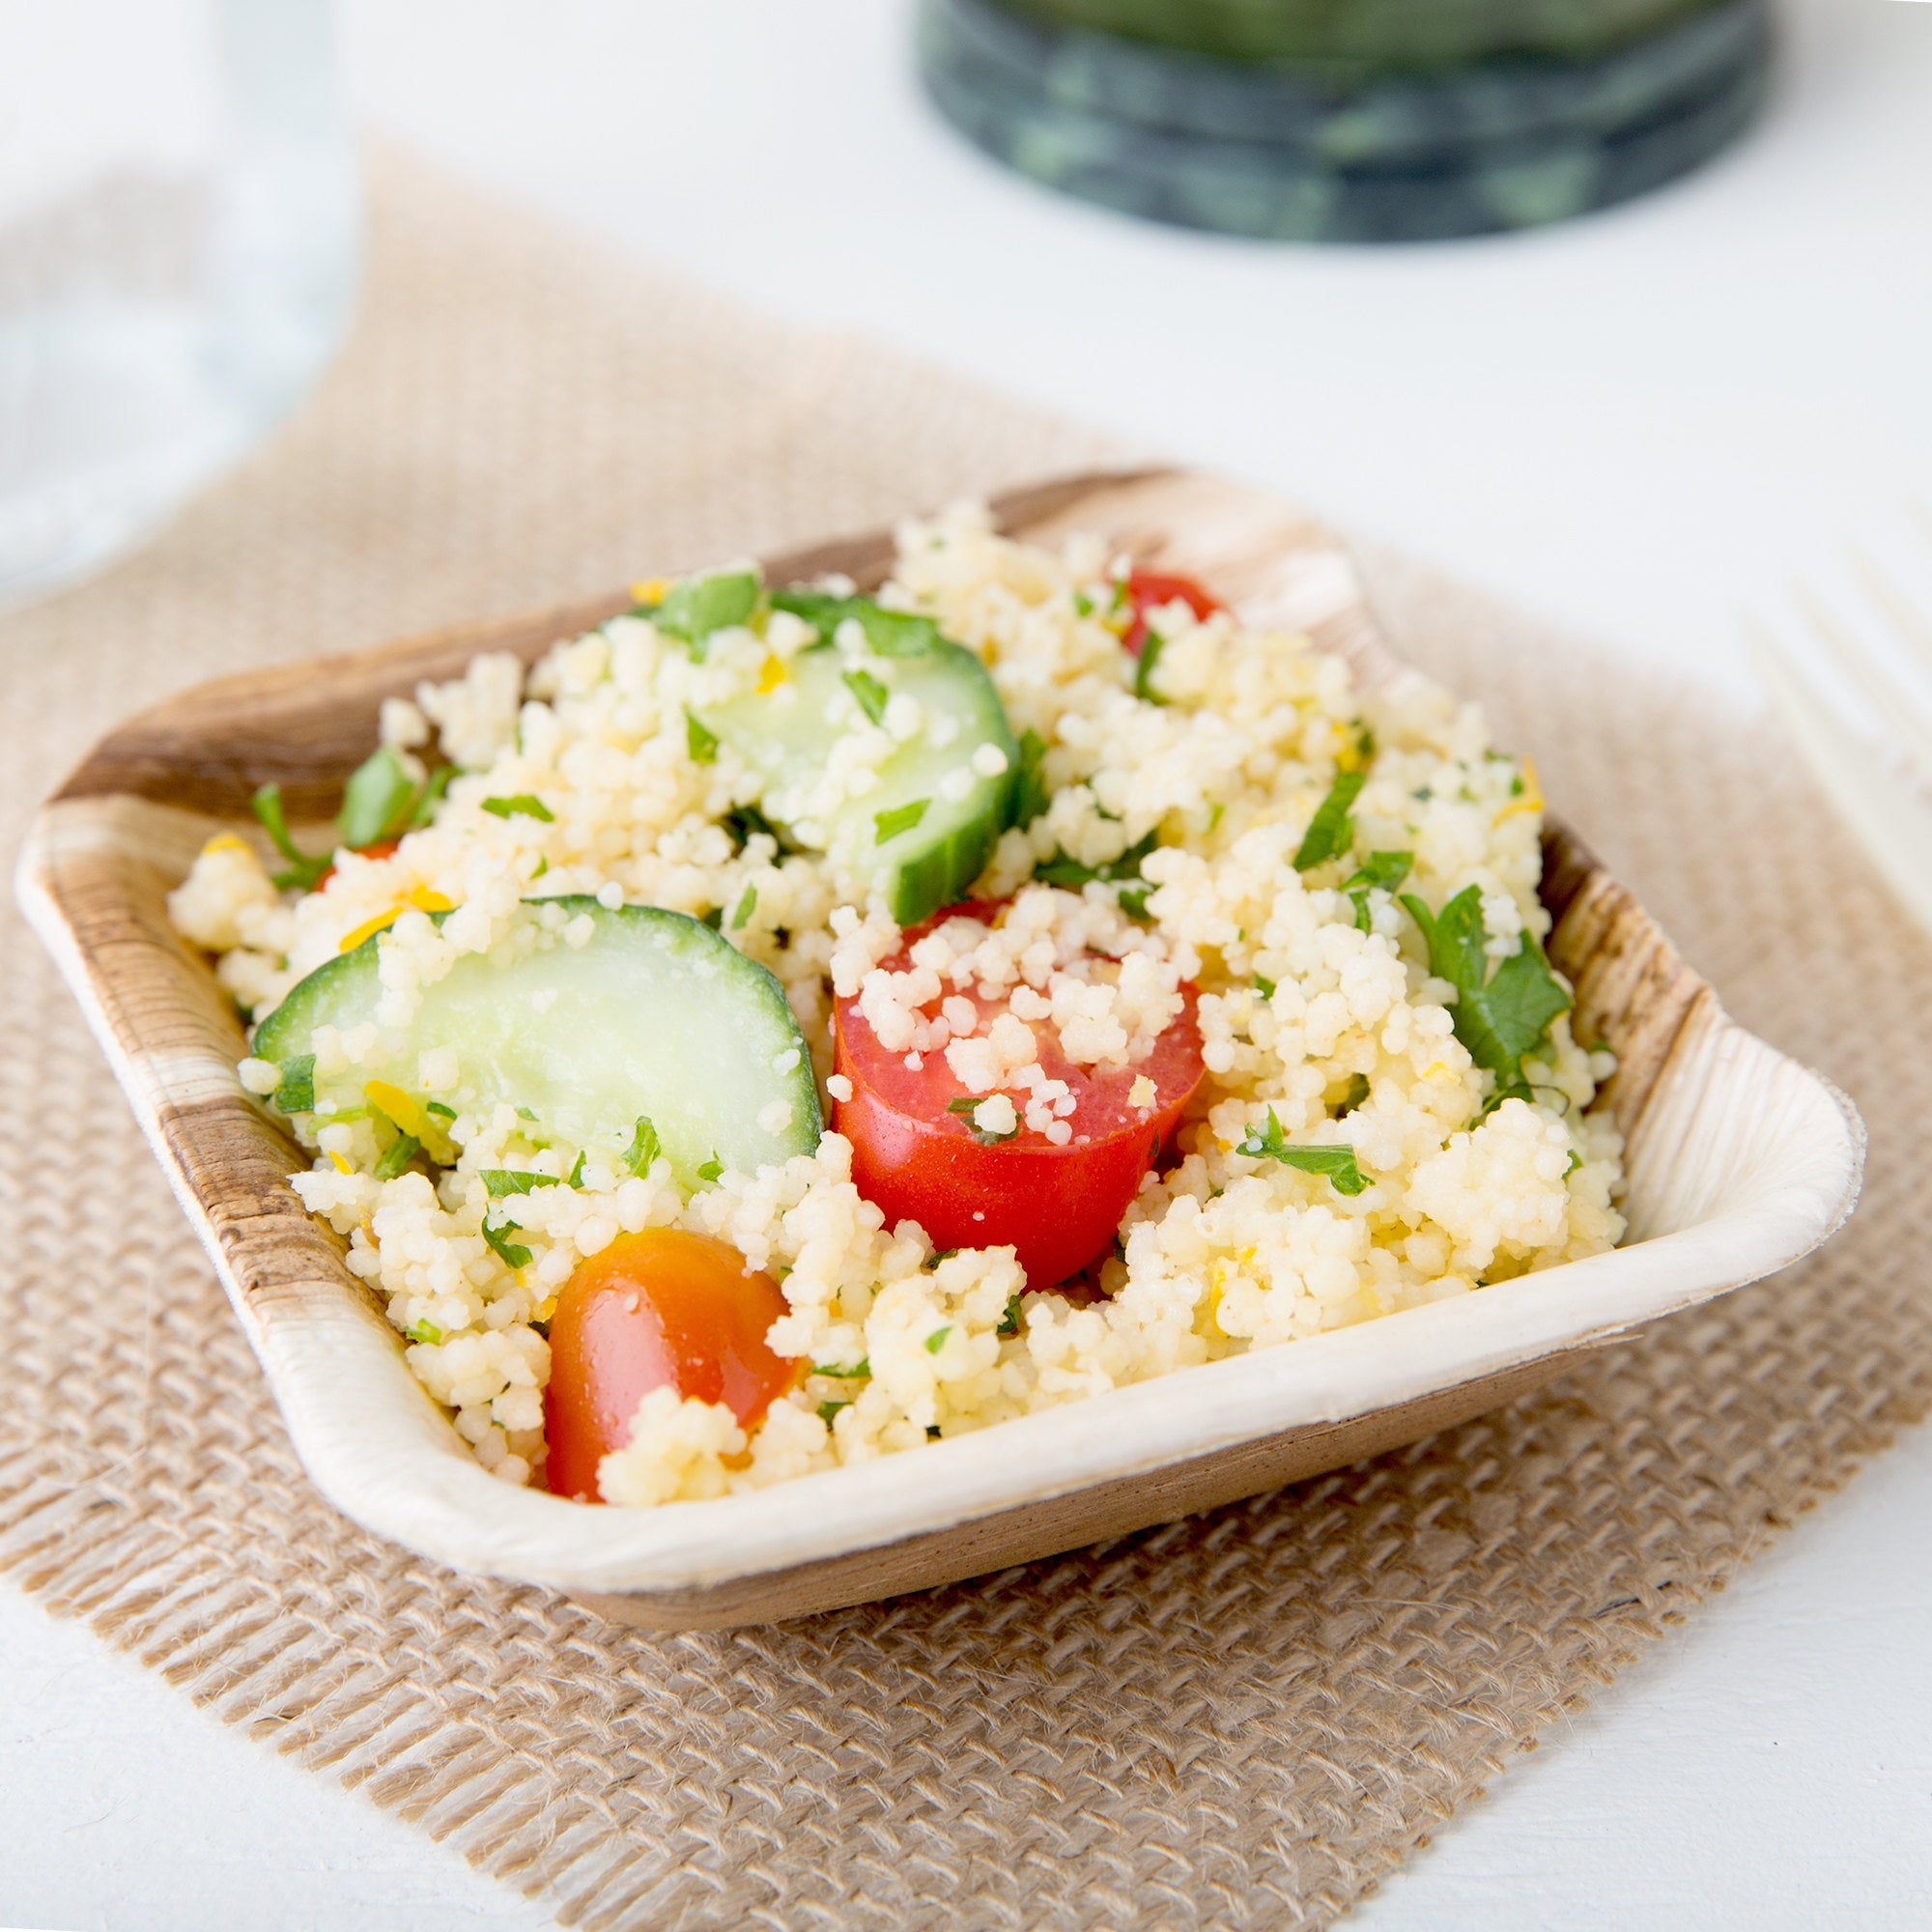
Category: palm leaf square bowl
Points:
column 1739, row 1160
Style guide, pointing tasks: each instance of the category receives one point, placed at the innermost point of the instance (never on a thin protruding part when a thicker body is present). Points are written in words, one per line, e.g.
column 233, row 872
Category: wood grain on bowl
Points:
column 1739, row 1160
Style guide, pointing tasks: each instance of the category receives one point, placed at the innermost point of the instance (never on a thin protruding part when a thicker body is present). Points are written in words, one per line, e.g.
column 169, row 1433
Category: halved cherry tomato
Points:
column 661, row 1309
column 1058, row 1206
column 384, row 848
column 1149, row 589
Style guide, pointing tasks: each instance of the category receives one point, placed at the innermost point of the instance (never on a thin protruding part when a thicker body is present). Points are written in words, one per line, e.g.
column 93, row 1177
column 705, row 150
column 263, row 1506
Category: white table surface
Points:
column 1638, row 425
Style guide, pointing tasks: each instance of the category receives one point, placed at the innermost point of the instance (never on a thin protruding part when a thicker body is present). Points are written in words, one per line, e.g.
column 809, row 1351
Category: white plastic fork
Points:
column 1851, row 676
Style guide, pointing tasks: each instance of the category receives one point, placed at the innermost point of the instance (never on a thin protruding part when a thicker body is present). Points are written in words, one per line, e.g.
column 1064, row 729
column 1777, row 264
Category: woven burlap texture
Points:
column 1236, row 1721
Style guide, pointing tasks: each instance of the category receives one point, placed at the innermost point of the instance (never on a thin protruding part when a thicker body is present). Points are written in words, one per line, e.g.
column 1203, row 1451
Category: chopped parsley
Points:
column 860, row 1370
column 510, row 1253
column 506, row 1180
column 1030, row 796
column 828, row 1409
column 692, row 610
column 1133, row 902
column 522, row 804
column 869, row 692
column 892, row 633
column 887, row 825
column 699, row 740
column 1331, row 831
column 424, row 1332
column 1500, row 1016
column 1009, row 1321
column 303, row 870
column 965, row 1104
column 714, row 919
column 712, row 1168
column 378, row 801
column 644, row 1147
column 1576, row 1161
column 936, row 1341
column 744, row 908
column 396, row 1157
column 431, row 796
column 1338, row 1163
column 1071, row 873
column 1380, row 872
column 1358, row 1091
column 745, row 822
column 296, row 1094
column 576, row 1171
column 1263, row 985
column 1151, row 646
column 439, row 1108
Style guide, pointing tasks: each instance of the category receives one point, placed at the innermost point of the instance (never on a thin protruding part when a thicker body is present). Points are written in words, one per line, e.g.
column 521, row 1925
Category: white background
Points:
column 1638, row 425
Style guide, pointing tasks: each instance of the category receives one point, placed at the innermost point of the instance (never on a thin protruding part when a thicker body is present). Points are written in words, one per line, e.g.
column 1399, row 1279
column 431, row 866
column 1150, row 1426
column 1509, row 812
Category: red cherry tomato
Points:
column 661, row 1309
column 1059, row 1206
column 1149, row 589
column 384, row 848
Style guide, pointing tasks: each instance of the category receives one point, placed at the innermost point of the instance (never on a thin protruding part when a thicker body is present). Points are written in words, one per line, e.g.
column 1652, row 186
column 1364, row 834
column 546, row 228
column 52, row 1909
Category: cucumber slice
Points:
column 657, row 1017
column 923, row 832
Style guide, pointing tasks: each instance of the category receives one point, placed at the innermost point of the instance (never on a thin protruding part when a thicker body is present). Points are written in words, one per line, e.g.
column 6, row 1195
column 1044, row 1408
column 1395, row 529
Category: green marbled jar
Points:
column 1348, row 120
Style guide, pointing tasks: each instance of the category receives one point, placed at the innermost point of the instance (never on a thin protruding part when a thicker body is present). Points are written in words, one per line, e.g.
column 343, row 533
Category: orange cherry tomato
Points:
column 1058, row 1206
column 661, row 1309
column 1149, row 589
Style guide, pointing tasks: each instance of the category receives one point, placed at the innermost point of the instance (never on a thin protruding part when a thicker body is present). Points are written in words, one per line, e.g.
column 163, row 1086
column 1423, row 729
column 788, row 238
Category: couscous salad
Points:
column 785, row 1026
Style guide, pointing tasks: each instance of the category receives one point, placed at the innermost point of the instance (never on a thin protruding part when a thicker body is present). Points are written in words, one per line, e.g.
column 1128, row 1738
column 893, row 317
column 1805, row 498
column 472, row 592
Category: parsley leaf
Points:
column 424, row 1332
column 863, row 1368
column 523, row 805
column 887, row 825
column 964, row 1106
column 869, row 692
column 644, row 1147
column 431, row 796
column 576, row 1171
column 1263, row 985
column 1009, row 1321
column 936, row 1341
column 745, row 907
column 699, row 740
column 1338, row 1163
column 295, row 1094
column 303, row 870
column 1500, row 1016
column 1331, row 831
column 828, row 1409
column 892, row 633
column 712, row 1168
column 378, row 801
column 1151, row 646
column 1030, row 796
column 505, row 1181
column 696, row 605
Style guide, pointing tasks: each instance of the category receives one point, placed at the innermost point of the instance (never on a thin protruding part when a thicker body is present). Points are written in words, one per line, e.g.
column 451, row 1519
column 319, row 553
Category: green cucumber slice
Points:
column 656, row 1017
column 925, row 830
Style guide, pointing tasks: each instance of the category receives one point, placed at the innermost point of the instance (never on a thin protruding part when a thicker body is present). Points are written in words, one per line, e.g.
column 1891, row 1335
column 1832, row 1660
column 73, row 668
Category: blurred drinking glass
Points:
column 179, row 240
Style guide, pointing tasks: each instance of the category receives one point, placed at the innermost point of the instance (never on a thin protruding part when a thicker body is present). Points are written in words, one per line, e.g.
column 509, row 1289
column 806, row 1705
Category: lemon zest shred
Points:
column 426, row 899
column 1531, row 799
column 771, row 674
column 226, row 842
column 341, row 1165
column 368, row 929
column 397, row 1105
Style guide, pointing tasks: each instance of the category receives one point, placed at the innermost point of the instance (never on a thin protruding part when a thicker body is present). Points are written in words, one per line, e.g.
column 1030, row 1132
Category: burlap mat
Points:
column 1239, row 1720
